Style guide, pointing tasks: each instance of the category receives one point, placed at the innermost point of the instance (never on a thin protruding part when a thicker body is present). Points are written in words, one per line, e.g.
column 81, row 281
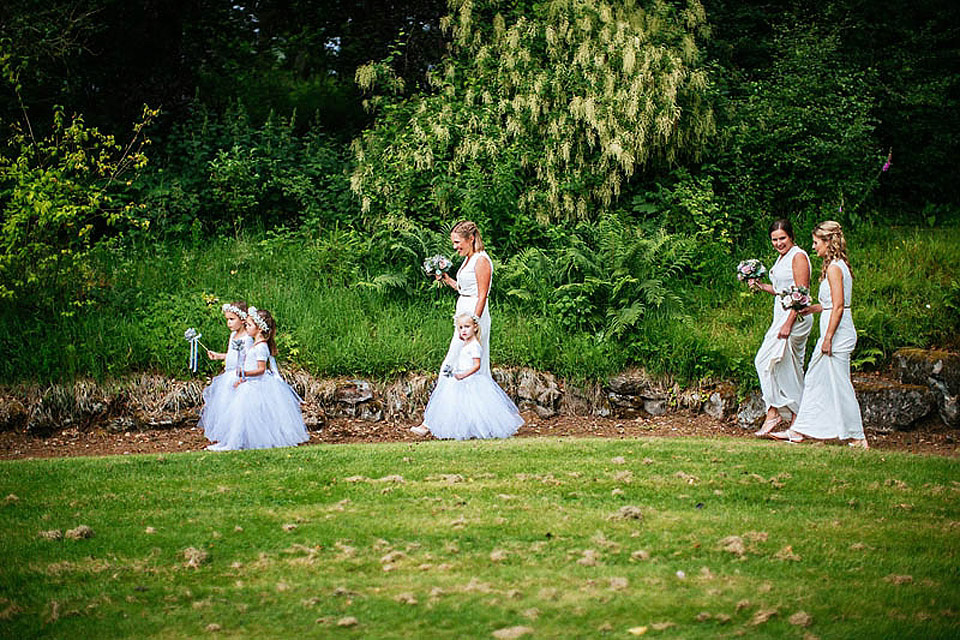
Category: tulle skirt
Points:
column 264, row 413
column 216, row 400
column 475, row 407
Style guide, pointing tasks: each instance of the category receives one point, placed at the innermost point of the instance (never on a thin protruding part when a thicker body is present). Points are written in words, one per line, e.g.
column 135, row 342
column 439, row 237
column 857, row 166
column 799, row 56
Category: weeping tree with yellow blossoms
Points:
column 549, row 113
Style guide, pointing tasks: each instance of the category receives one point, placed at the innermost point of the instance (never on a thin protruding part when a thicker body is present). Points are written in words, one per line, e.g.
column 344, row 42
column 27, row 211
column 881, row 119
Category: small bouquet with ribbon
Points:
column 191, row 336
column 447, row 371
column 751, row 269
column 796, row 298
column 436, row 265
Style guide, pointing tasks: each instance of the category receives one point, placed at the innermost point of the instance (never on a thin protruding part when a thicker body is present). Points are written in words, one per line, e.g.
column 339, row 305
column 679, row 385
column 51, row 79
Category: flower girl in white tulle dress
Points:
column 264, row 412
column 217, row 396
column 472, row 404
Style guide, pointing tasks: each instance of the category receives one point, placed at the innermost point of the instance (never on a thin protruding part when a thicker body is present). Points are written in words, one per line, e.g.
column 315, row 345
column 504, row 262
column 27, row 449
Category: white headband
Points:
column 257, row 320
column 226, row 306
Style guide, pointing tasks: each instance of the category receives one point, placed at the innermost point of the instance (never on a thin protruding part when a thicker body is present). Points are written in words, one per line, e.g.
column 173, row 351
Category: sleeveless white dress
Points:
column 829, row 408
column 779, row 362
column 475, row 407
column 218, row 395
column 265, row 411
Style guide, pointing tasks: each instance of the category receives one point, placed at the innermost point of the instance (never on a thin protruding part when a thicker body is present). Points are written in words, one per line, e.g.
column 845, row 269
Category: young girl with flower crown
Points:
column 472, row 404
column 217, row 396
column 264, row 412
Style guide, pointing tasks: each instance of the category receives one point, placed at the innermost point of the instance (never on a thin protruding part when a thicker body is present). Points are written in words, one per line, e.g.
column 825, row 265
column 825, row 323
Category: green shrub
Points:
column 60, row 196
column 226, row 174
column 799, row 136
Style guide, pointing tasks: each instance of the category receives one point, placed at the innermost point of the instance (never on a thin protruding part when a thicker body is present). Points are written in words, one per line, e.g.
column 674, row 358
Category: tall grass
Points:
column 342, row 311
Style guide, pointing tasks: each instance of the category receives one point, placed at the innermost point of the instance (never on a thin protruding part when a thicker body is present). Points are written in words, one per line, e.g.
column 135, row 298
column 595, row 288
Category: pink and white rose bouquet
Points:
column 751, row 269
column 796, row 298
column 436, row 265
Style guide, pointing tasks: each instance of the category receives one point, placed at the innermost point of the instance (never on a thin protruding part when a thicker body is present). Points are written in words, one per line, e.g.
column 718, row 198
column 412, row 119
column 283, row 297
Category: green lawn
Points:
column 460, row 540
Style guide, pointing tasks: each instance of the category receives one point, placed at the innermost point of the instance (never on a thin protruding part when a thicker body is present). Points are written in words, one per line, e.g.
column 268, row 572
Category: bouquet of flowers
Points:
column 796, row 298
column 751, row 269
column 436, row 265
column 447, row 371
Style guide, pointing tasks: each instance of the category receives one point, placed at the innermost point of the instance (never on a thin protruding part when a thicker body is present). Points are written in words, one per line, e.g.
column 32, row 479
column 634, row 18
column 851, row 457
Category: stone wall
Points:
column 928, row 382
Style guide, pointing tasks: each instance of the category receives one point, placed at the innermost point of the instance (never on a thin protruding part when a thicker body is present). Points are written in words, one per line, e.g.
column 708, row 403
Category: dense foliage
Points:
column 619, row 157
column 549, row 115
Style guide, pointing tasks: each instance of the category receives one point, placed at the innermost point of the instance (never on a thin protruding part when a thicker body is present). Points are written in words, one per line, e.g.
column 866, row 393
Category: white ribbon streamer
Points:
column 191, row 336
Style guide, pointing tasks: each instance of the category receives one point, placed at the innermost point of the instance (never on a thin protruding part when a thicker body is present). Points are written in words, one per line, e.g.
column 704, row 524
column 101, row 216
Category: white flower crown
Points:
column 257, row 320
column 226, row 306
column 473, row 317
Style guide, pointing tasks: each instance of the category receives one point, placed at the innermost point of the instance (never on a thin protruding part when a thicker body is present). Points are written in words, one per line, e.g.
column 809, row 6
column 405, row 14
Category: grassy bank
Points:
column 341, row 313
column 692, row 539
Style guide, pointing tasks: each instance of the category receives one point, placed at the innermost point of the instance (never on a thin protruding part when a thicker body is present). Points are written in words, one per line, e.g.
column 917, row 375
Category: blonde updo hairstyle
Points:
column 831, row 233
column 469, row 231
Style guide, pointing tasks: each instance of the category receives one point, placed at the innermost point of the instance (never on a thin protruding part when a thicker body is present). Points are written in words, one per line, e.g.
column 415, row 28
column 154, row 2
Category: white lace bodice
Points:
column 259, row 352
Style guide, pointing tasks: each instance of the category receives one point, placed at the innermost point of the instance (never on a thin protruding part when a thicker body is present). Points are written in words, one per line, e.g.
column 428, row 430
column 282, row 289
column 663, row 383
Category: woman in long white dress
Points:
column 779, row 360
column 829, row 408
column 473, row 284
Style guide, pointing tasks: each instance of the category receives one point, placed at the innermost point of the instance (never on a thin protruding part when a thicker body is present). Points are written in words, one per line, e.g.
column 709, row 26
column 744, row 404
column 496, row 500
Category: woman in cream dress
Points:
column 779, row 360
column 829, row 408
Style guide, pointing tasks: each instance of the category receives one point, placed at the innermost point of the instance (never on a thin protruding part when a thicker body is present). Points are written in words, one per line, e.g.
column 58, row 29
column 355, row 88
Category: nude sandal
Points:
column 768, row 425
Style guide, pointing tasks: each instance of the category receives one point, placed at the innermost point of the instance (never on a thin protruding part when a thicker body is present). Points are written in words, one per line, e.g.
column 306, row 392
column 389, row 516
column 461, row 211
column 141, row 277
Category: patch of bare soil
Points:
column 931, row 437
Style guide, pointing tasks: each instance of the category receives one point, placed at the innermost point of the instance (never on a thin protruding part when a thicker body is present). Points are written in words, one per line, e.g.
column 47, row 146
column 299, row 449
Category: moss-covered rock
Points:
column 939, row 371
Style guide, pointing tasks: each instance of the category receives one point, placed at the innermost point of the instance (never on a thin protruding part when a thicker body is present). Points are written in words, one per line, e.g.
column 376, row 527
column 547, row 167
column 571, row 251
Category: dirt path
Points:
column 931, row 438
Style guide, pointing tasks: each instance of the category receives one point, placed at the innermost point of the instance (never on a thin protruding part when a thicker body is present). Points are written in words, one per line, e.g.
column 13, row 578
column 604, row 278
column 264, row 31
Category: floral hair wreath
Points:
column 257, row 320
column 227, row 307
column 473, row 316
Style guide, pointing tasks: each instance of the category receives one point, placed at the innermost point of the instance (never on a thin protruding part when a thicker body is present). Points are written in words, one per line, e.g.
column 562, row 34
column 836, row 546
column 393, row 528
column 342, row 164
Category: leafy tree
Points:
column 60, row 195
column 549, row 114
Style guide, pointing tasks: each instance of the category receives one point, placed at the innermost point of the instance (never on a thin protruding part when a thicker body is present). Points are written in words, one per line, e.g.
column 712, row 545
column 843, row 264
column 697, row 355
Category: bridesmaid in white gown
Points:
column 473, row 284
column 779, row 361
column 829, row 408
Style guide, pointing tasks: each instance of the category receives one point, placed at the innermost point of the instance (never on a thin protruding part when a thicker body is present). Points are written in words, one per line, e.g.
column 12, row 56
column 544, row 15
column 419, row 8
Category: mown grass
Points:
column 458, row 540
column 907, row 294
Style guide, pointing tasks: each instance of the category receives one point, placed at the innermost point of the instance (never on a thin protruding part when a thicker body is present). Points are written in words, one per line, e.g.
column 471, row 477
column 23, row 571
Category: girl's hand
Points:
column 814, row 308
column 827, row 346
column 237, row 383
column 752, row 283
column 211, row 355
